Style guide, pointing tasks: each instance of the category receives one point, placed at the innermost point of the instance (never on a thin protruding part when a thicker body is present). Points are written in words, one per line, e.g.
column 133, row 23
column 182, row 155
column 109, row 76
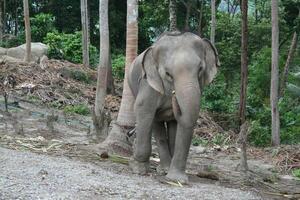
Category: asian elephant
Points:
column 167, row 81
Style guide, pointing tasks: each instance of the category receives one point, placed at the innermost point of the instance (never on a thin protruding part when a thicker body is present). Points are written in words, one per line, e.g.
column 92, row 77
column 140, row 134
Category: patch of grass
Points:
column 196, row 141
column 218, row 139
column 78, row 109
column 33, row 98
column 296, row 173
column 80, row 76
column 55, row 104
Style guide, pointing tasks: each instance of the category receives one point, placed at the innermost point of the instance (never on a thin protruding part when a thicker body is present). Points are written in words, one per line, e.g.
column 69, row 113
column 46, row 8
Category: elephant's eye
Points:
column 169, row 76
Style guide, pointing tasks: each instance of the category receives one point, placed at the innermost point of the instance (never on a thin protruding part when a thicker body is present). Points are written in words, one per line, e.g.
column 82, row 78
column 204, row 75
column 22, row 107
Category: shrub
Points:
column 68, row 47
column 12, row 41
column 41, row 24
column 78, row 109
column 118, row 66
column 296, row 173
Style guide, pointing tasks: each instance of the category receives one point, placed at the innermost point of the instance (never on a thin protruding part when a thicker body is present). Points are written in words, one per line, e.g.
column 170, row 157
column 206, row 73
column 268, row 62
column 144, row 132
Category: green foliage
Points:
column 78, row 109
column 118, row 66
column 68, row 47
column 216, row 97
column 12, row 41
column 293, row 86
column 296, row 173
column 260, row 132
column 259, row 78
column 217, row 139
column 41, row 24
column 80, row 75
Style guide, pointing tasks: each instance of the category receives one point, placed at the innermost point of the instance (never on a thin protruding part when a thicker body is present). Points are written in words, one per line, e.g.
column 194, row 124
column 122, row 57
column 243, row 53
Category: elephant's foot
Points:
column 141, row 168
column 175, row 175
column 161, row 170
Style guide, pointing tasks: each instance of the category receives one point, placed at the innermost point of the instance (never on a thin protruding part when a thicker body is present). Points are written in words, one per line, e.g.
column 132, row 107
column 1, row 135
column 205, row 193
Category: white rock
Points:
column 37, row 51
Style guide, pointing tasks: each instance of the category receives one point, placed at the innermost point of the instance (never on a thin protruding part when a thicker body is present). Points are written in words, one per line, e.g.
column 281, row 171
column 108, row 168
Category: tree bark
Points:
column 244, row 63
column 213, row 21
column 287, row 63
column 188, row 6
column 275, row 75
column 200, row 19
column 4, row 16
column 101, row 120
column 1, row 20
column 16, row 18
column 116, row 140
column 242, row 140
column 255, row 11
column 27, row 31
column 85, row 37
column 173, row 15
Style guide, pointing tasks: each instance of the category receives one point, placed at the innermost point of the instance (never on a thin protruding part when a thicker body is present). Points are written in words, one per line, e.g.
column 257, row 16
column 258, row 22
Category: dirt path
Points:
column 26, row 175
column 68, row 165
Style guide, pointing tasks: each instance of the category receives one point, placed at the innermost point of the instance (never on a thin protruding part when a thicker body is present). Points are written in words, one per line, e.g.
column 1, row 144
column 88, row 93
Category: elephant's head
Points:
column 181, row 64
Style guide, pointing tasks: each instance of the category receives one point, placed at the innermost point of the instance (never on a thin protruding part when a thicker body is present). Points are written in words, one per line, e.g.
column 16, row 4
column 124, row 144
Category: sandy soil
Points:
column 26, row 175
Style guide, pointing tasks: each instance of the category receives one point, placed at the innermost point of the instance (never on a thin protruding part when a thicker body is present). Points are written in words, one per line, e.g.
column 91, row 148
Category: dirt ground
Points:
column 48, row 154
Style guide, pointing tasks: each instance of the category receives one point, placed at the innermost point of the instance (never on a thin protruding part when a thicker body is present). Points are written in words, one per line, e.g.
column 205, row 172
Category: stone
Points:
column 38, row 50
column 3, row 51
column 43, row 62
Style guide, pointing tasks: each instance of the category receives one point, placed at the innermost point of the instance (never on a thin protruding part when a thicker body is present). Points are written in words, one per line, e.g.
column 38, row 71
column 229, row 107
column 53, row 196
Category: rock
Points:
column 198, row 149
column 3, row 51
column 37, row 51
column 43, row 62
column 288, row 177
column 9, row 59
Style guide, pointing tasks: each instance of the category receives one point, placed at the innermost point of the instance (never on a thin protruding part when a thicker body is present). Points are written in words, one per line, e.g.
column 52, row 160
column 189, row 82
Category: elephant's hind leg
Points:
column 160, row 134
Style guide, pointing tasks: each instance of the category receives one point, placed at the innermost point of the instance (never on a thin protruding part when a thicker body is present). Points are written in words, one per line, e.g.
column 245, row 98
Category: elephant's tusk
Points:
column 173, row 92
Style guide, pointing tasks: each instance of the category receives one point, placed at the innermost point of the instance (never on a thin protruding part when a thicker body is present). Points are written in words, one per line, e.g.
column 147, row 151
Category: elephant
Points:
column 167, row 80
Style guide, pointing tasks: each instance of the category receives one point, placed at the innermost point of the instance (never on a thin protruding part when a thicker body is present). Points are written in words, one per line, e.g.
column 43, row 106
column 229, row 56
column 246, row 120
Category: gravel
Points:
column 25, row 175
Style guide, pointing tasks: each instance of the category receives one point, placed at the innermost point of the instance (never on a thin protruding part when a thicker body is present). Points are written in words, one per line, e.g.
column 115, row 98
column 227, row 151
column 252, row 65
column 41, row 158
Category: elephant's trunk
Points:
column 186, row 101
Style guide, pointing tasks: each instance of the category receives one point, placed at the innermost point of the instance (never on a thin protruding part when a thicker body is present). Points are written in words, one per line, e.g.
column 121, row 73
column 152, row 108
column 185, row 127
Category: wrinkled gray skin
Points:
column 166, row 80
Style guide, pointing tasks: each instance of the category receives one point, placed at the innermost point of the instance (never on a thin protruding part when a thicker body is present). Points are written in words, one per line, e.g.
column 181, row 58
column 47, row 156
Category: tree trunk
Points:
column 28, row 31
column 288, row 61
column 173, row 15
column 85, row 37
column 242, row 140
column 200, row 19
column 213, row 21
column 188, row 6
column 110, row 81
column 101, row 120
column 1, row 21
column 116, row 140
column 275, row 76
column 16, row 18
column 244, row 63
column 255, row 11
column 4, row 16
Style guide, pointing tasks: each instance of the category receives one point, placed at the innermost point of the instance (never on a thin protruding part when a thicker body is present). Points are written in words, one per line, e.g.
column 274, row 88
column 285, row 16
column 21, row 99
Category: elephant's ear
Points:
column 211, row 60
column 150, row 70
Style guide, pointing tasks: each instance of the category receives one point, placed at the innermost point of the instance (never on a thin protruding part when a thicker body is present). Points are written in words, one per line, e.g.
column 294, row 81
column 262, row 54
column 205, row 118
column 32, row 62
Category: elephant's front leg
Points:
column 160, row 134
column 145, row 112
column 181, row 151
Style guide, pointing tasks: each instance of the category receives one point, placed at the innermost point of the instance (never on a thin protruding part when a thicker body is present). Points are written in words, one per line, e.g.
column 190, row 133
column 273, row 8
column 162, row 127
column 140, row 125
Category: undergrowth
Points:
column 80, row 109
